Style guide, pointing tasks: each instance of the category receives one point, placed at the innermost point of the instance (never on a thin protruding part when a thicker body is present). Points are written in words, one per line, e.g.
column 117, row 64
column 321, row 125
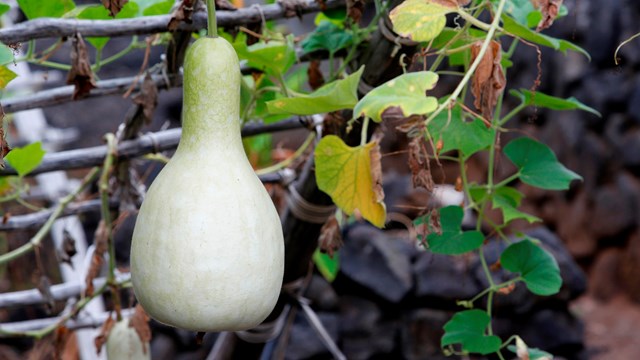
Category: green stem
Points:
column 474, row 66
column 507, row 180
column 98, row 62
column 118, row 55
column 284, row 163
column 363, row 133
column 512, row 113
column 44, row 230
column 474, row 21
column 212, row 27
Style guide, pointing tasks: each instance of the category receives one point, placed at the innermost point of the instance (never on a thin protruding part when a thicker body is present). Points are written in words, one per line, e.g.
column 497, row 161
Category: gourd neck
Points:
column 211, row 95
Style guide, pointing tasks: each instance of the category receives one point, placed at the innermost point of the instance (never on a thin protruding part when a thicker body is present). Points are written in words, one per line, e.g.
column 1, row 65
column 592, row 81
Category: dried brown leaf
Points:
column 68, row 248
column 322, row 4
column 314, row 74
column 419, row 164
column 44, row 288
column 507, row 289
column 63, row 341
column 355, row 8
column 376, row 170
column 97, row 260
column 147, row 98
column 4, row 146
column 488, row 80
column 181, row 13
column 114, row 6
column 225, row 5
column 549, row 10
column 330, row 239
column 101, row 339
column 140, row 323
column 429, row 226
column 80, row 74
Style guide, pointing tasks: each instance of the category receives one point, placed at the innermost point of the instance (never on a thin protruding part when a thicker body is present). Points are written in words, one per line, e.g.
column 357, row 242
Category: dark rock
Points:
column 421, row 333
column 604, row 282
column 377, row 262
column 573, row 225
column 163, row 347
column 321, row 294
column 614, row 211
column 629, row 267
column 380, row 344
column 630, row 145
column 358, row 316
column 601, row 44
column 443, row 277
column 304, row 342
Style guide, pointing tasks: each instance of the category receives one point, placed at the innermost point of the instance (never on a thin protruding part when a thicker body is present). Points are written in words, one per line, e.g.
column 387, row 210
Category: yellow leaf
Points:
column 6, row 76
column 345, row 173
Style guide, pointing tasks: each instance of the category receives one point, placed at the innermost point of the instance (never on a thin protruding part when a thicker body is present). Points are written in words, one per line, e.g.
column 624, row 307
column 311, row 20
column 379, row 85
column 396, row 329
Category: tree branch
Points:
column 55, row 28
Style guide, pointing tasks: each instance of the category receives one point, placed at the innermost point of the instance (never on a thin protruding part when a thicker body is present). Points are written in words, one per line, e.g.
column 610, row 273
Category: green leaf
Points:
column 98, row 12
column 538, row 165
column 6, row 76
column 25, row 159
column 345, row 174
column 6, row 55
column 453, row 240
column 50, row 8
column 519, row 30
column 552, row 102
column 407, row 92
column 328, row 266
column 505, row 198
column 336, row 16
column 525, row 13
column 458, row 134
column 337, row 95
column 274, row 57
column 538, row 269
column 468, row 329
column 327, row 36
column 4, row 8
column 419, row 20
column 160, row 8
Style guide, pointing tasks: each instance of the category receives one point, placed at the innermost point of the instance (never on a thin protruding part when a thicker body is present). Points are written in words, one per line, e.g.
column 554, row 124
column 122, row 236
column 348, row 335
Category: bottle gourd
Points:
column 207, row 252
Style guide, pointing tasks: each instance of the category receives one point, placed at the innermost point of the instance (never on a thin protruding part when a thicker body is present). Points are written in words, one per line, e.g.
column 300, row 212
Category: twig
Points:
column 56, row 28
column 44, row 230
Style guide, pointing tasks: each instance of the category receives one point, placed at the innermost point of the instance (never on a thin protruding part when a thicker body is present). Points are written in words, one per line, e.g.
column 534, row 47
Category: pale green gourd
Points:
column 207, row 251
column 124, row 343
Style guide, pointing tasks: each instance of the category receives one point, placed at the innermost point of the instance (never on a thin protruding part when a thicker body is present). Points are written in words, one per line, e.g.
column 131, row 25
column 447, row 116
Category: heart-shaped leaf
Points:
column 505, row 198
column 538, row 165
column 453, row 240
column 406, row 92
column 468, row 329
column 551, row 102
column 327, row 36
column 345, row 173
column 337, row 95
column 420, row 20
column 457, row 134
column 538, row 269
column 25, row 159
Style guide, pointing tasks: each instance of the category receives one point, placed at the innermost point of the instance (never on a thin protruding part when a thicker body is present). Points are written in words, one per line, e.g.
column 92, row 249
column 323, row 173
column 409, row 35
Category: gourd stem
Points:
column 212, row 26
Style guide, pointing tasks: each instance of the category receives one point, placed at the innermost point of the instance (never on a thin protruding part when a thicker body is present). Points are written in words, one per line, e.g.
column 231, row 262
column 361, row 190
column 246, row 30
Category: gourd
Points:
column 124, row 343
column 207, row 252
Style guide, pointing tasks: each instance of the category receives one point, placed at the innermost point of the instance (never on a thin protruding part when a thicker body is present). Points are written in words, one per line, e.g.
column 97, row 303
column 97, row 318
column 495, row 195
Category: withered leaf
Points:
column 429, row 224
column 80, row 74
column 114, row 6
column 44, row 288
column 314, row 74
column 224, row 5
column 97, row 260
column 4, row 146
column 101, row 339
column 322, row 4
column 419, row 164
column 488, row 80
column 549, row 10
column 140, row 323
column 355, row 8
column 68, row 248
column 64, row 344
column 181, row 13
column 330, row 239
column 507, row 289
column 376, row 169
column 147, row 98
column 292, row 8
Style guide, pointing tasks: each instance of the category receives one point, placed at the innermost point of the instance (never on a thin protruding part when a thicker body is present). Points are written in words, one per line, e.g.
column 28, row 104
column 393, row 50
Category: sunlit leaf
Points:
column 160, row 8
column 327, row 36
column 4, row 8
column 98, row 12
column 452, row 240
column 538, row 269
column 50, row 8
column 406, row 92
column 337, row 95
column 25, row 159
column 274, row 57
column 345, row 174
column 468, row 328
column 551, row 102
column 419, row 20
column 538, row 165
column 327, row 266
column 6, row 76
